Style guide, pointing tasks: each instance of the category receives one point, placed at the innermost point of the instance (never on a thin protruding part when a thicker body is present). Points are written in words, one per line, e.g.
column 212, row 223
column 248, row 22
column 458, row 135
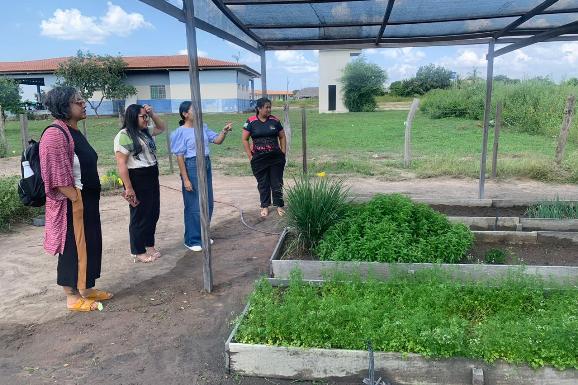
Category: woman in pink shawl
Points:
column 72, row 186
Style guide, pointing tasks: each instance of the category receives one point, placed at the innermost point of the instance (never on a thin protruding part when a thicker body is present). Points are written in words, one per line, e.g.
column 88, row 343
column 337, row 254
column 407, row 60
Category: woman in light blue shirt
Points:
column 184, row 147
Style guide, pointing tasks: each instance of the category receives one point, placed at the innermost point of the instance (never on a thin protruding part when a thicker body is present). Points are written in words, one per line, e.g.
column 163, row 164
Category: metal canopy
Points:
column 261, row 25
column 296, row 24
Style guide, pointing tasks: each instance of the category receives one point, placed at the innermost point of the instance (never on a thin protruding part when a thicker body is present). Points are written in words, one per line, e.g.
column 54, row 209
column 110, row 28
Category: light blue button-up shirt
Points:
column 183, row 141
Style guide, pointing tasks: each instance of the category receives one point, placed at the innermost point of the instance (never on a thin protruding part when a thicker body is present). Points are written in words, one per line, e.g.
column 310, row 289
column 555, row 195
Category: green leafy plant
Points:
column 314, row 205
column 110, row 181
column 11, row 209
column 553, row 209
column 514, row 319
column 392, row 228
column 496, row 257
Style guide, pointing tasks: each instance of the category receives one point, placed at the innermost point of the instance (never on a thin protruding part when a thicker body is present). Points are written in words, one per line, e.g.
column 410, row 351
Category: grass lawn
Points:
column 365, row 144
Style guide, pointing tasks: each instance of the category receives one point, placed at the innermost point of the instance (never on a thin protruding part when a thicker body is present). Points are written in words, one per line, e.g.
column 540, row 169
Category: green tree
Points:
column 362, row 81
column 431, row 77
column 9, row 96
column 90, row 73
column 406, row 88
column 506, row 80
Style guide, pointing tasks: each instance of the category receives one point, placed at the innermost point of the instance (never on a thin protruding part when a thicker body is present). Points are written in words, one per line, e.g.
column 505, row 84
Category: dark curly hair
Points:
column 58, row 101
column 260, row 104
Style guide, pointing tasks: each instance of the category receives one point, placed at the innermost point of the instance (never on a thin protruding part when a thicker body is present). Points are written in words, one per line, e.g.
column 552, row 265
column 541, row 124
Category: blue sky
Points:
column 43, row 29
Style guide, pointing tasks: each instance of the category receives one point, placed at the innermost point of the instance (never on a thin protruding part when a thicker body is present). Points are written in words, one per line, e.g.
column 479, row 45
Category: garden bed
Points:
column 547, row 257
column 425, row 328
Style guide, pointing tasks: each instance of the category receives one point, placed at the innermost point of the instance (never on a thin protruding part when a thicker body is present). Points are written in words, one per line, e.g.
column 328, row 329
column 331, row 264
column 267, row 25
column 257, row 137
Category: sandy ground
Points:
column 161, row 327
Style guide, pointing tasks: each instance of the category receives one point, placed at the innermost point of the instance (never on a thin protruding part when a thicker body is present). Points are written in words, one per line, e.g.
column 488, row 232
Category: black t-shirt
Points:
column 87, row 158
column 265, row 135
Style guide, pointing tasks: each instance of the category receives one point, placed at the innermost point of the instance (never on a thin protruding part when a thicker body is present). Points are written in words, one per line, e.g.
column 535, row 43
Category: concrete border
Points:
column 314, row 363
column 316, row 270
column 517, row 224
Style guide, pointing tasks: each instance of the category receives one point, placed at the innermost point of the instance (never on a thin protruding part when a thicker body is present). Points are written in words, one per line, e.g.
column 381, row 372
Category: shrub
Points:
column 533, row 106
column 314, row 204
column 11, row 210
column 391, row 228
column 362, row 82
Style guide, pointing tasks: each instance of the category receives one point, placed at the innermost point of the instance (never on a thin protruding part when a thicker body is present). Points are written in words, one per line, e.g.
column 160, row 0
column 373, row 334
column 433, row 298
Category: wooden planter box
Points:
column 315, row 270
column 310, row 364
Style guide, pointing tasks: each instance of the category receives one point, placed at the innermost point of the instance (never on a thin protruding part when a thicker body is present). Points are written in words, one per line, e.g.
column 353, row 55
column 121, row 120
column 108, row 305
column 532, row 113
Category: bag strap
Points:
column 60, row 128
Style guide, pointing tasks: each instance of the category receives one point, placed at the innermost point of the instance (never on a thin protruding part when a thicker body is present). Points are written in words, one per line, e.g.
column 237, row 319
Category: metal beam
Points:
column 235, row 20
column 404, row 40
column 404, row 22
column 179, row 14
column 389, row 44
column 385, row 20
column 527, row 16
column 263, row 74
column 571, row 28
column 261, row 2
column 487, row 113
column 168, row 8
column 199, row 143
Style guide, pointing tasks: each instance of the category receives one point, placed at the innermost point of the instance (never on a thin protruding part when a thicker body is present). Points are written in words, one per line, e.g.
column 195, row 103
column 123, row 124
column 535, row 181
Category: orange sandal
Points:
column 99, row 295
column 84, row 305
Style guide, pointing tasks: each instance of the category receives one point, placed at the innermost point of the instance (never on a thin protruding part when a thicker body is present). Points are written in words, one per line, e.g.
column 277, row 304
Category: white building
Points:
column 331, row 65
column 161, row 81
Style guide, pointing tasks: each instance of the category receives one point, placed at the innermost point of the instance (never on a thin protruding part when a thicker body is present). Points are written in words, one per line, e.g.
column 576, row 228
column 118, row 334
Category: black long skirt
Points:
column 79, row 264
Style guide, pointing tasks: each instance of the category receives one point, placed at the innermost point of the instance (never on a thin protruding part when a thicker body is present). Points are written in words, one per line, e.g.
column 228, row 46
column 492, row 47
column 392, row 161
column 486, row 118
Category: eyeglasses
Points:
column 144, row 116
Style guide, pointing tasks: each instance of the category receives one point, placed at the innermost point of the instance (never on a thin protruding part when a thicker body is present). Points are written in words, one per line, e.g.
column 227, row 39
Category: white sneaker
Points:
column 197, row 247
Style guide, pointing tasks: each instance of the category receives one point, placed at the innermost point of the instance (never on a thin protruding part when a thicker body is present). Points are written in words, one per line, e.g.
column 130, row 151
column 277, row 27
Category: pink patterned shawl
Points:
column 56, row 159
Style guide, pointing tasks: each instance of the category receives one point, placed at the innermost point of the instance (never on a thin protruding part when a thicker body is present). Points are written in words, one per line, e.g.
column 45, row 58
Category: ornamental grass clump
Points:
column 553, row 209
column 392, row 228
column 314, row 205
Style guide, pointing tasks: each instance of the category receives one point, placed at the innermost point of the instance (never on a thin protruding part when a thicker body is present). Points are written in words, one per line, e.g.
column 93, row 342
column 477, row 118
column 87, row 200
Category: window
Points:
column 158, row 92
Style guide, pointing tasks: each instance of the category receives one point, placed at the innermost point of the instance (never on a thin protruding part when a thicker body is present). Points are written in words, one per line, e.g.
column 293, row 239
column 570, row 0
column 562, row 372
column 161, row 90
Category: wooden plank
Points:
column 263, row 74
column 168, row 133
column 487, row 113
column 510, row 237
column 200, row 143
column 408, row 126
column 304, row 138
column 549, row 224
column 497, row 127
column 288, row 134
column 3, row 141
column 24, row 136
column 315, row 363
column 565, row 129
column 487, row 223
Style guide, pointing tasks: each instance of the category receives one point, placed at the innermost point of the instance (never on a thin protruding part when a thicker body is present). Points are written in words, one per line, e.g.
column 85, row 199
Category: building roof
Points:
column 273, row 92
column 134, row 63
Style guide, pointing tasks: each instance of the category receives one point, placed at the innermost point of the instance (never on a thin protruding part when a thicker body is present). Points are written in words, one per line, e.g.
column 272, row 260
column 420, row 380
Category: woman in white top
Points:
column 135, row 152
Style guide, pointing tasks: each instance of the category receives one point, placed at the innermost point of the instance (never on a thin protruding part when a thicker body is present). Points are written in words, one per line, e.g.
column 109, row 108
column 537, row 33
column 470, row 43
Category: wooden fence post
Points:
column 3, row 141
column 408, row 125
column 564, row 130
column 169, row 150
column 304, row 138
column 497, row 127
column 287, row 128
column 24, row 130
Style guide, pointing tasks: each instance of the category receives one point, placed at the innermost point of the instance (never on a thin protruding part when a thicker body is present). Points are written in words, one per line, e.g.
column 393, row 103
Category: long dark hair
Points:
column 260, row 104
column 184, row 107
column 132, row 127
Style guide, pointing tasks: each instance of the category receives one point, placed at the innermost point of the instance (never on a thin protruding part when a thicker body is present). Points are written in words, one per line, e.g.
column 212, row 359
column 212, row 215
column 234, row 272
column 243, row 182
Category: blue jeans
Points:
column 191, row 200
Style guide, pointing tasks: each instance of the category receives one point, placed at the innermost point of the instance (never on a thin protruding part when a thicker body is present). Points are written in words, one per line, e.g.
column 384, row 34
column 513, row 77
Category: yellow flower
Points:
column 321, row 174
column 104, row 179
column 119, row 181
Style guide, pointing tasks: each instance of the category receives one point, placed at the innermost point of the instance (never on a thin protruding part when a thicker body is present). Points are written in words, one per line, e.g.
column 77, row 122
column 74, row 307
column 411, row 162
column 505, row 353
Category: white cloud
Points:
column 199, row 52
column 71, row 24
column 570, row 51
column 470, row 58
column 295, row 62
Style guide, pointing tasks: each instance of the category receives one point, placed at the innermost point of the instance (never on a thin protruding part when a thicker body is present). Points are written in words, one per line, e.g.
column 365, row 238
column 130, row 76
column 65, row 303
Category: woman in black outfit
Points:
column 267, row 155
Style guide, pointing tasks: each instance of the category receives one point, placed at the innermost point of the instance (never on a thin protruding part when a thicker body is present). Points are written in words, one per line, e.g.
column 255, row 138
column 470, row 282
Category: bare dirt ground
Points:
column 161, row 327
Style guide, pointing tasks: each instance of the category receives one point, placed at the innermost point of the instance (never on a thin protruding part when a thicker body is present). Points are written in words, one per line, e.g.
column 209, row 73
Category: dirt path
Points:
column 160, row 328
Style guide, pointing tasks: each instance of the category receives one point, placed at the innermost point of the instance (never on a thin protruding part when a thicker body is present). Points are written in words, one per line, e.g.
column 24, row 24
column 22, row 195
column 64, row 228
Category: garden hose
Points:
column 241, row 212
